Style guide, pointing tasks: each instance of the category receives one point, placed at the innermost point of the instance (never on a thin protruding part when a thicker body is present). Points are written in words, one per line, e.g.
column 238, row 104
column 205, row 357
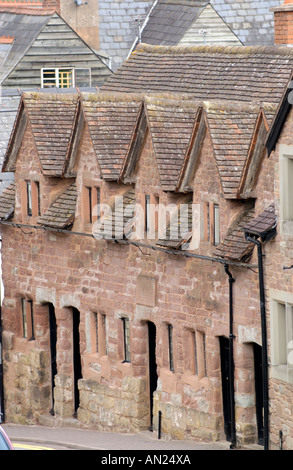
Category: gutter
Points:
column 231, row 360
column 264, row 338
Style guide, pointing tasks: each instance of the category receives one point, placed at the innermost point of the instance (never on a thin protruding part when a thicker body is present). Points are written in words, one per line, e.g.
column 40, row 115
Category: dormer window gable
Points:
column 55, row 123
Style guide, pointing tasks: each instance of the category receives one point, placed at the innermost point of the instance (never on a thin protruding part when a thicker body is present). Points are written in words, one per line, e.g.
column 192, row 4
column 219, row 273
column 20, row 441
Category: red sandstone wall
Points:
column 101, row 276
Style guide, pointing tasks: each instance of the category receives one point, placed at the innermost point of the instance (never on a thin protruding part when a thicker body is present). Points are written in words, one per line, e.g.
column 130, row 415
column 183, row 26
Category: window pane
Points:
column 170, row 338
column 98, row 202
column 126, row 339
column 90, row 204
column 195, row 354
column 49, row 78
column 29, row 197
column 216, row 224
column 147, row 213
column 82, row 77
column 65, row 78
column 39, row 197
column 104, row 333
column 31, row 313
column 204, row 354
column 282, row 340
column 24, row 319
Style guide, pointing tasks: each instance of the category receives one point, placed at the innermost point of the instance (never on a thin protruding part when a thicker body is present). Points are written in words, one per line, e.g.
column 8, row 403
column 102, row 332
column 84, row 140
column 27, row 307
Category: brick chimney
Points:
column 283, row 16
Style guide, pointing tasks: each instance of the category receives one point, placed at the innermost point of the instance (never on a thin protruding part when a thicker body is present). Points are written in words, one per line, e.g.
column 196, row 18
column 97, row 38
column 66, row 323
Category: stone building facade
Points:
column 114, row 331
column 117, row 329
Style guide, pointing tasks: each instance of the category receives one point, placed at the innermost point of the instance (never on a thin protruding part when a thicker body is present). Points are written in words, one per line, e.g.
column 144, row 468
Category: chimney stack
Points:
column 283, row 16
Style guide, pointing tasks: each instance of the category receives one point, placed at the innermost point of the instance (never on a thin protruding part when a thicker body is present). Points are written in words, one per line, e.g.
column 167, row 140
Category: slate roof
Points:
column 8, row 110
column 44, row 40
column 118, row 26
column 251, row 20
column 235, row 246
column 7, row 202
column 247, row 22
column 25, row 29
column 208, row 72
column 169, row 21
column 61, row 213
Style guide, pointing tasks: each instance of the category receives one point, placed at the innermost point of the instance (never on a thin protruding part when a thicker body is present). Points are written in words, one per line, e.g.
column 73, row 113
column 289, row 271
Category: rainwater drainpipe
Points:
column 264, row 339
column 1, row 376
column 231, row 359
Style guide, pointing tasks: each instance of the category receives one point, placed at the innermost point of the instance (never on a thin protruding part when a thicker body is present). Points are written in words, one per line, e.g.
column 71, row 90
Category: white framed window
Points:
column 65, row 77
column 286, row 189
column 282, row 336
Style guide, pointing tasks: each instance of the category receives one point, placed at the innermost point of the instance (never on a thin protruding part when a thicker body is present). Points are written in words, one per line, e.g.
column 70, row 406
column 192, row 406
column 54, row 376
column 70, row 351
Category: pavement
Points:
column 83, row 439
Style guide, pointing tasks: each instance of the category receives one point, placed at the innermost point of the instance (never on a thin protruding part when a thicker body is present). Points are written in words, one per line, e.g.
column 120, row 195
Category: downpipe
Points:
column 231, row 360
column 2, row 416
column 264, row 339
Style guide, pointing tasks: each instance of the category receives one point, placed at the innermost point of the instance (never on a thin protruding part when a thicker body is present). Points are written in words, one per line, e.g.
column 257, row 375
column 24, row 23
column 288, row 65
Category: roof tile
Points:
column 263, row 223
column 207, row 72
column 235, row 246
column 52, row 118
column 61, row 213
column 7, row 202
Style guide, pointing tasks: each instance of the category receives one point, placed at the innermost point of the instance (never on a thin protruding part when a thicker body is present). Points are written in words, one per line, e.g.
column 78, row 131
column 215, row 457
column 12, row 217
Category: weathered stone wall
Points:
column 91, row 275
column 279, row 284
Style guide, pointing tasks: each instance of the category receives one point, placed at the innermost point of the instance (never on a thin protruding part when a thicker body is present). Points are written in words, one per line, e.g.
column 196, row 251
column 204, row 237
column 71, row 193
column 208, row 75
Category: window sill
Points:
column 283, row 373
column 286, row 227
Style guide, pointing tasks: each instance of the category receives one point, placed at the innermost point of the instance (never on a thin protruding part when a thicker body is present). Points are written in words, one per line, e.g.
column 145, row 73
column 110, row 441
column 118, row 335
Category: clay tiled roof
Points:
column 171, row 123
column 60, row 214
column 231, row 128
column 7, row 202
column 263, row 223
column 207, row 72
column 52, row 118
column 235, row 246
column 111, row 120
column 179, row 229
